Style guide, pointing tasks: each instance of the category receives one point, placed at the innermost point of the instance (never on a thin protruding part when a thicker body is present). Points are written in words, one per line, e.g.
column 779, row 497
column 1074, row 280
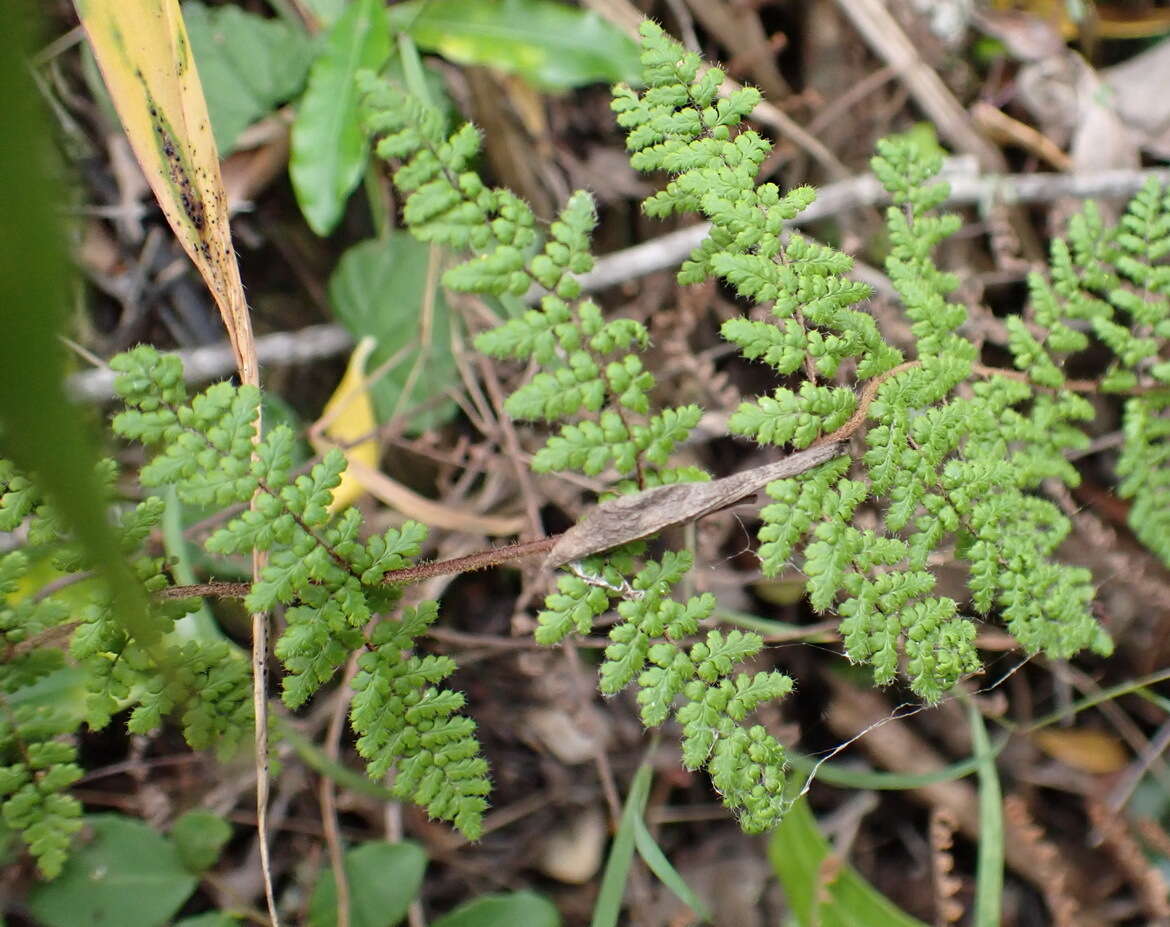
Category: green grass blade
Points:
column 657, row 862
column 621, row 853
column 989, row 875
column 801, row 856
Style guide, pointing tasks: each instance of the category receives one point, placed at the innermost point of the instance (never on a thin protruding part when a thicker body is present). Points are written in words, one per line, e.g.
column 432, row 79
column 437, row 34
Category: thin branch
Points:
column 498, row 556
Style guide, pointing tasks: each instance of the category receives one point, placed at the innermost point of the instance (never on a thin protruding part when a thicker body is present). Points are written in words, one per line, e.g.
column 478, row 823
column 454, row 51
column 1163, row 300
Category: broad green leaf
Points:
column 144, row 54
column 526, row 908
column 549, row 44
column 63, row 690
column 798, row 853
column 200, row 837
column 329, row 147
column 40, row 430
column 128, row 874
column 248, row 65
column 384, row 879
column 382, row 289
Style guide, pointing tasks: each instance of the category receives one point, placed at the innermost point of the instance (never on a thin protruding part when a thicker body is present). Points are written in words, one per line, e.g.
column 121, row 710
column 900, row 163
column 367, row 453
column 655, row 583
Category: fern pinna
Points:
column 47, row 690
column 330, row 582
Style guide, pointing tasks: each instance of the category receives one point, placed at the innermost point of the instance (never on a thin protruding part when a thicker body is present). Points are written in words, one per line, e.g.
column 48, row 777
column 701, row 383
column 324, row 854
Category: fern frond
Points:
column 330, row 580
column 407, row 724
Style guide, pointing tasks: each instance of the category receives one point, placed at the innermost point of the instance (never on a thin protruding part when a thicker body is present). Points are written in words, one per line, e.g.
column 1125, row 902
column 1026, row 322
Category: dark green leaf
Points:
column 384, row 879
column 511, row 910
column 247, row 65
column 549, row 44
column 128, row 874
column 380, row 288
column 329, row 148
column 200, row 837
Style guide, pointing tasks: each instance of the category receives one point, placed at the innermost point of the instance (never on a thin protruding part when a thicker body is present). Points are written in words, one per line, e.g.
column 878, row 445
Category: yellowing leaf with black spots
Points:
column 145, row 58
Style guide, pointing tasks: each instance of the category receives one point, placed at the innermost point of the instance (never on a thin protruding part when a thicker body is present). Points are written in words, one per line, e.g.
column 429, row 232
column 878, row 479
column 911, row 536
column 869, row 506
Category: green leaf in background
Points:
column 798, row 852
column 247, row 65
column 210, row 919
column 384, row 878
column 519, row 908
column 126, row 874
column 64, row 690
column 380, row 289
column 326, row 11
column 329, row 147
column 549, row 44
column 200, row 837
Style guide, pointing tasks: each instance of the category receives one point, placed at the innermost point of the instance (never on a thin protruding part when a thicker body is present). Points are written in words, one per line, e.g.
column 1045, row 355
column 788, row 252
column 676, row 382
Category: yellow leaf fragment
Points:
column 1089, row 750
column 349, row 417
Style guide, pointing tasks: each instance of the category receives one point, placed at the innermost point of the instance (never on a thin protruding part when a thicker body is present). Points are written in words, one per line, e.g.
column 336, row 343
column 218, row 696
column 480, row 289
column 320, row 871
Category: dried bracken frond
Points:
column 1063, row 906
column 948, row 909
column 1120, row 843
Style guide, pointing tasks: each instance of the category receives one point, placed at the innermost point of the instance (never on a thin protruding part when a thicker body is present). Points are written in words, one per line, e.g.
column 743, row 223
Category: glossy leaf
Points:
column 549, row 44
column 329, row 148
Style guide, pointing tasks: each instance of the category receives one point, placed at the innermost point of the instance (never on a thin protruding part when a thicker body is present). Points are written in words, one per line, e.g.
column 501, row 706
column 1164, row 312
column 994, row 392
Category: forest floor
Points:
column 1086, row 797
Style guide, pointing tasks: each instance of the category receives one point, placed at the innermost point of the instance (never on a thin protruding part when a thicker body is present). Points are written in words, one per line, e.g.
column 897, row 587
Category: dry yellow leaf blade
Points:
column 348, row 421
column 145, row 58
